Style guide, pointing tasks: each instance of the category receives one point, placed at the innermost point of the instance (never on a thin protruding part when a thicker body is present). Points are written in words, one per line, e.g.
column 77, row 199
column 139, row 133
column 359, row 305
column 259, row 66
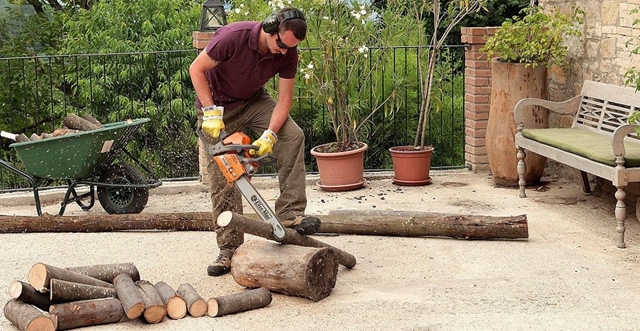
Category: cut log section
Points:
column 27, row 293
column 27, row 317
column 129, row 295
column 155, row 310
column 106, row 272
column 196, row 306
column 92, row 120
column 176, row 306
column 64, row 291
column 308, row 272
column 83, row 313
column 239, row 302
column 258, row 228
column 41, row 274
column 75, row 122
column 195, row 221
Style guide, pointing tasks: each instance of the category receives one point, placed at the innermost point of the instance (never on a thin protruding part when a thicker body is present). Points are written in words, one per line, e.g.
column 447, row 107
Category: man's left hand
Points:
column 265, row 143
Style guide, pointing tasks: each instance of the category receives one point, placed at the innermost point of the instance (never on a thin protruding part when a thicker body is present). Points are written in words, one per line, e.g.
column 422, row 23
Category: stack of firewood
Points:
column 72, row 123
column 65, row 298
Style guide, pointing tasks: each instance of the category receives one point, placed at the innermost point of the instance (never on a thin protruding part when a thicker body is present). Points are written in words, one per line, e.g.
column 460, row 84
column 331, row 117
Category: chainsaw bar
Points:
column 260, row 206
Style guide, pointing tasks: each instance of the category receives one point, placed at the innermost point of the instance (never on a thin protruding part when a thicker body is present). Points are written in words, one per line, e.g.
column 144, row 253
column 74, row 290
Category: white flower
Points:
column 242, row 5
column 237, row 10
column 306, row 76
column 325, row 17
column 363, row 12
column 310, row 65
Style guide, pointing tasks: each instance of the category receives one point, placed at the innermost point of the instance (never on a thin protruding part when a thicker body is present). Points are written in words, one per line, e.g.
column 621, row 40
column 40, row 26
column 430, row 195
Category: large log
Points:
column 258, row 228
column 27, row 317
column 239, row 302
column 65, row 291
column 196, row 306
column 83, row 313
column 176, row 306
column 106, row 272
column 27, row 293
column 419, row 224
column 75, row 122
column 129, row 295
column 155, row 310
column 41, row 274
column 354, row 222
column 308, row 272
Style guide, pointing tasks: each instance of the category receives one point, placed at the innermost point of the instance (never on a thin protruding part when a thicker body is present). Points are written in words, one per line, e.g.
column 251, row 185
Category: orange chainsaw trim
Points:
column 230, row 166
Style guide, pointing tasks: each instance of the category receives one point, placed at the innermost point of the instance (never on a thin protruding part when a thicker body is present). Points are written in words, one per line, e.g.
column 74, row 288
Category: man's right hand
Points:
column 212, row 123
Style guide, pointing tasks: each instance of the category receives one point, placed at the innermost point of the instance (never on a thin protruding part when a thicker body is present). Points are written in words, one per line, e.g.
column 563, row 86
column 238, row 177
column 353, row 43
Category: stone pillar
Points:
column 477, row 86
column 200, row 41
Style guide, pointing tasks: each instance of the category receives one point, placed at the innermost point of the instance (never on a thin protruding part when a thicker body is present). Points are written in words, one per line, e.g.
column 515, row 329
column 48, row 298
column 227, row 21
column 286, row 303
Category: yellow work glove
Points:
column 265, row 142
column 212, row 122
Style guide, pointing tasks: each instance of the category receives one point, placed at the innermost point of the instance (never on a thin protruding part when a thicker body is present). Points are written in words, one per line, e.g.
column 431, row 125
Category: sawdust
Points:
column 567, row 275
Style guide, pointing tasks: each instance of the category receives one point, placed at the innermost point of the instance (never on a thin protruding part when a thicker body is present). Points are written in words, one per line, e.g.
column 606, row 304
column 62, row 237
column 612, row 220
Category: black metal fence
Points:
column 36, row 93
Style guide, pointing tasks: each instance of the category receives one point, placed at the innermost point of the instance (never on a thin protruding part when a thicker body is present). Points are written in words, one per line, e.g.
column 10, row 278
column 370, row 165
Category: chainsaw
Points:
column 232, row 156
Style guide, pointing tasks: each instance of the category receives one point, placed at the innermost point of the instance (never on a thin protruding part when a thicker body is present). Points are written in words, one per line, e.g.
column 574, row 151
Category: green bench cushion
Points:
column 589, row 144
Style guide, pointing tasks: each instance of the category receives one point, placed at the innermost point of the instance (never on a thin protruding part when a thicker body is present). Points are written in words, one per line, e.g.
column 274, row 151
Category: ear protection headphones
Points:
column 271, row 24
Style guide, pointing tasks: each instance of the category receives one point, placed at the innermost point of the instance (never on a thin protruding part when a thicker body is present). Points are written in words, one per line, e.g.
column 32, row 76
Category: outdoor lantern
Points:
column 213, row 16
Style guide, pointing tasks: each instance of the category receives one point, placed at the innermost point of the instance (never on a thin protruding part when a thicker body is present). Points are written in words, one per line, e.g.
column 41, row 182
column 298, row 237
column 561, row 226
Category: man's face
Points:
column 281, row 43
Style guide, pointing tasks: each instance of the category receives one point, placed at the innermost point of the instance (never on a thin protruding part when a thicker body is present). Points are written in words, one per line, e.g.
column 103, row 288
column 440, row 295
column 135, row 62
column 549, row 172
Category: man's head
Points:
column 286, row 19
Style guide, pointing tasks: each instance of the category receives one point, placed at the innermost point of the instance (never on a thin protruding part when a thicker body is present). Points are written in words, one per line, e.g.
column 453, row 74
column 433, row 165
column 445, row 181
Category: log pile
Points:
column 72, row 123
column 55, row 298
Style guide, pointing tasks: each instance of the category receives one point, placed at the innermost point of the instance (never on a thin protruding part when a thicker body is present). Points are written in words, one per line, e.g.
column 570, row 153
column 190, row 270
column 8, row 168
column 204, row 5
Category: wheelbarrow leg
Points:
column 34, row 183
column 77, row 198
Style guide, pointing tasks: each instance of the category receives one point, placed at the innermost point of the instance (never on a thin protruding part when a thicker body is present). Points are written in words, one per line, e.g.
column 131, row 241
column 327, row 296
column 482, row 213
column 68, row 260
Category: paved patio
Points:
column 568, row 275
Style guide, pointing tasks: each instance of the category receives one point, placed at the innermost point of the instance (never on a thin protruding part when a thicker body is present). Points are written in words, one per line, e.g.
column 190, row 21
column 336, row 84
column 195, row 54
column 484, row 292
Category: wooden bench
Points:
column 599, row 142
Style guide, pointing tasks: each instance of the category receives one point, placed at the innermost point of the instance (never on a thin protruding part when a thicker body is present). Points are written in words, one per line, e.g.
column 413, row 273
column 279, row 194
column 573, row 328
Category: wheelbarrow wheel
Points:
column 122, row 200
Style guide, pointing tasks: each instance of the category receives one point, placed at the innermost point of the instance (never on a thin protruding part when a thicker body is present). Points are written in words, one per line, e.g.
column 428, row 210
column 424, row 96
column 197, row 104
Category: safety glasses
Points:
column 281, row 45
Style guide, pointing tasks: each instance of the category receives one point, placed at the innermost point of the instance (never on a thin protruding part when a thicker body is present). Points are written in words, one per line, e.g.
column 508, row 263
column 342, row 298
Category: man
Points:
column 231, row 72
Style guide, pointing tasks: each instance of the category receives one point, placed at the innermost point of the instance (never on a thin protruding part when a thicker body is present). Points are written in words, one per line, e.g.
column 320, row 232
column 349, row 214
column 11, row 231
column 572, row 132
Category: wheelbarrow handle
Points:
column 9, row 135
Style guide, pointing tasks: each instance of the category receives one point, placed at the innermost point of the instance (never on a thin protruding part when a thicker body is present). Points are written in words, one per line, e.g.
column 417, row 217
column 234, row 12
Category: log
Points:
column 92, row 120
column 75, row 122
column 239, row 302
column 65, row 291
column 83, row 313
column 34, row 137
column 62, row 131
column 356, row 222
column 27, row 317
column 155, row 310
column 22, row 138
column 27, row 293
column 308, row 272
column 196, row 306
column 106, row 272
column 129, row 295
column 176, row 306
column 40, row 277
column 415, row 224
column 194, row 221
column 258, row 228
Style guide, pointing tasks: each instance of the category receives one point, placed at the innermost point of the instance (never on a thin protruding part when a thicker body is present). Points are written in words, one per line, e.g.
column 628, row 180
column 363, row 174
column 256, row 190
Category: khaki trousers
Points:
column 289, row 154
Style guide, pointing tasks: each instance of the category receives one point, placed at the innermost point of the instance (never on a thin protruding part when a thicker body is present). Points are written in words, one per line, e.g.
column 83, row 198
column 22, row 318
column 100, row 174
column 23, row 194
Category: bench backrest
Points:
column 605, row 107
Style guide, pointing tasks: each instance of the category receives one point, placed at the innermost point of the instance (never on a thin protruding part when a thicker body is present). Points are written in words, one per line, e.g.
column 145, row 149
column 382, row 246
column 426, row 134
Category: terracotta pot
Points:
column 511, row 82
column 411, row 166
column 341, row 171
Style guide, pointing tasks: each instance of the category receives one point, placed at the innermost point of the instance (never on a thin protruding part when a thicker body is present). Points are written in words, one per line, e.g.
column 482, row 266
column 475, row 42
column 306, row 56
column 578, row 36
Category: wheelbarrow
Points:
column 88, row 158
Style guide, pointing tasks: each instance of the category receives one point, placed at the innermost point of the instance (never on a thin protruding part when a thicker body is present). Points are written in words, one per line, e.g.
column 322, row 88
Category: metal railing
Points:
column 37, row 92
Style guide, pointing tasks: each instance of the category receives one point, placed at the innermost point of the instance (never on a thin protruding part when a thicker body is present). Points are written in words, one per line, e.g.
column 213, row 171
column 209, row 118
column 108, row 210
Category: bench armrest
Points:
column 618, row 140
column 570, row 106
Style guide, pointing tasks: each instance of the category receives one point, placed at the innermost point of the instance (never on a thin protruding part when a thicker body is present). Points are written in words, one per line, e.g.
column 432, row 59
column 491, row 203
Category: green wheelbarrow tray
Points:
column 87, row 157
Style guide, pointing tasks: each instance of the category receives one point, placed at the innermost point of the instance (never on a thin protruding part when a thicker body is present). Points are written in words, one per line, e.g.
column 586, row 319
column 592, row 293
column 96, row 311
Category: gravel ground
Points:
column 568, row 275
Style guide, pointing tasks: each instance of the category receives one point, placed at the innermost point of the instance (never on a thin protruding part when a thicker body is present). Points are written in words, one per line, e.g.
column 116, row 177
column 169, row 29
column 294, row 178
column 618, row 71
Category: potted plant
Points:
column 412, row 164
column 520, row 52
column 347, row 49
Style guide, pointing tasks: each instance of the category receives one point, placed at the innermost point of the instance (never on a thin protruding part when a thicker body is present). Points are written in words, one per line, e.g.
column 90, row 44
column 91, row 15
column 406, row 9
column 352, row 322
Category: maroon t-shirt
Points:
column 242, row 71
